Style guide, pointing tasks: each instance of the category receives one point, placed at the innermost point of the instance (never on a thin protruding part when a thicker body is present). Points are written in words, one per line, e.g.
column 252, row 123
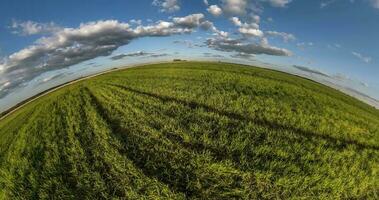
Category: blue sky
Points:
column 44, row 43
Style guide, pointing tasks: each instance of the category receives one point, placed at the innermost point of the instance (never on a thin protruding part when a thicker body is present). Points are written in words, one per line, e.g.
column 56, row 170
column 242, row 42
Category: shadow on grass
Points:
column 338, row 142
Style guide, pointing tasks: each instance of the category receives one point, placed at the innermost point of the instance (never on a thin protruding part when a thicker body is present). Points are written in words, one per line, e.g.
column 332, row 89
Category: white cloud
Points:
column 215, row 10
column 168, row 6
column 247, row 29
column 134, row 54
column 285, row 36
column 189, row 21
column 241, row 55
column 4, row 86
column 279, row 3
column 134, row 21
column 236, row 21
column 363, row 58
column 250, row 32
column 243, row 7
column 206, row 2
column 235, row 7
column 33, row 28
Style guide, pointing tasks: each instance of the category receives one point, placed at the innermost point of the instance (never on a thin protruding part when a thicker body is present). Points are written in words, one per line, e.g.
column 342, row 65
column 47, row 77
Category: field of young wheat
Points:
column 191, row 130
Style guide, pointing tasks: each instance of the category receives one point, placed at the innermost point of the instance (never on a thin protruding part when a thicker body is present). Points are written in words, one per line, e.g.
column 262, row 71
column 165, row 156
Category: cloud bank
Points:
column 70, row 46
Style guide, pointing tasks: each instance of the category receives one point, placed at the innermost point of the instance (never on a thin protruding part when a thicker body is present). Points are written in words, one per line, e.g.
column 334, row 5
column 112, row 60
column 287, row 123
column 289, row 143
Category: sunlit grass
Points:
column 191, row 130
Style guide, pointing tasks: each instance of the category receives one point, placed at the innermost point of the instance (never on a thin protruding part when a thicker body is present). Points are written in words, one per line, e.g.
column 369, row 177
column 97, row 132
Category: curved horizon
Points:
column 9, row 109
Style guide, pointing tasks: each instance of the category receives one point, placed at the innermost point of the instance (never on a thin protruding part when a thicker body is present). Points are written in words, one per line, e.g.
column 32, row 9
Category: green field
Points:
column 191, row 130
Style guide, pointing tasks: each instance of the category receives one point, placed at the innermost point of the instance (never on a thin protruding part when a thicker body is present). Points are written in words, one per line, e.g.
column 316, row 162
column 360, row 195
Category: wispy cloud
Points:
column 279, row 3
column 363, row 58
column 212, row 55
column 303, row 45
column 345, row 78
column 327, row 3
column 33, row 28
column 242, row 55
column 134, row 54
column 285, row 36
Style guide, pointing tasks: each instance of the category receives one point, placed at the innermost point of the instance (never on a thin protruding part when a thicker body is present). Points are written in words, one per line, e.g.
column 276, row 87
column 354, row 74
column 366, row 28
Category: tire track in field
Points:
column 183, row 170
column 218, row 152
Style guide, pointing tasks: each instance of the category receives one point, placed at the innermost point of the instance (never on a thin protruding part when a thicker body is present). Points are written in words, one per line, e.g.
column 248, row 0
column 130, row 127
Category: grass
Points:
column 191, row 130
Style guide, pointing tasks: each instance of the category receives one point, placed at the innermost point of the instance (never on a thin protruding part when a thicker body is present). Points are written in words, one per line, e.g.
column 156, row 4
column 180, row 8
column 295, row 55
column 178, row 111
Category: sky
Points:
column 44, row 43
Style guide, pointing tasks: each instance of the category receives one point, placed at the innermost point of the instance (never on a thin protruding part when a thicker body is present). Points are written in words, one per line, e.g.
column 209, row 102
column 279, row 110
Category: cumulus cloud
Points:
column 242, row 7
column 250, row 32
column 235, row 7
column 363, row 58
column 70, row 46
column 285, row 36
column 168, row 6
column 247, row 29
column 215, row 10
column 240, row 46
column 33, row 28
column 190, row 21
column 197, row 20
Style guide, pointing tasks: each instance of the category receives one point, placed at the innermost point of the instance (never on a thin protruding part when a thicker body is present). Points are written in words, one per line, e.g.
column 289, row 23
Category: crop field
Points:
column 191, row 130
